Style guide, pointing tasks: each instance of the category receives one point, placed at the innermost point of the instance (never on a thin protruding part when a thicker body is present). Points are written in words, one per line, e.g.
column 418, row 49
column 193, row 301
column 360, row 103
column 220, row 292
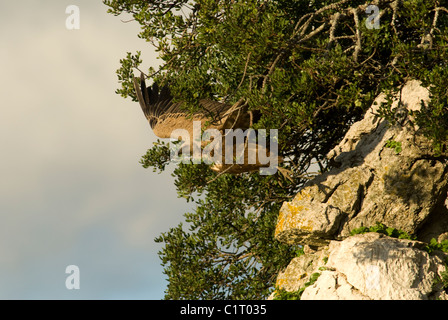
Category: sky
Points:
column 72, row 191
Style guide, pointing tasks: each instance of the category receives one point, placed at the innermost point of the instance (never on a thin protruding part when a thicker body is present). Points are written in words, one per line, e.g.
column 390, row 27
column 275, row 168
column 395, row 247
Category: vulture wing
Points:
column 164, row 115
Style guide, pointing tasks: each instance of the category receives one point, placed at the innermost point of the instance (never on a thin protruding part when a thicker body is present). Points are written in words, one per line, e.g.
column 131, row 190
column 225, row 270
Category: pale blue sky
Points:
column 71, row 189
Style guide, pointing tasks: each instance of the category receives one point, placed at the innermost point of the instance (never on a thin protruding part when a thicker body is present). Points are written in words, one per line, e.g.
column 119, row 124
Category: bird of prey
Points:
column 164, row 115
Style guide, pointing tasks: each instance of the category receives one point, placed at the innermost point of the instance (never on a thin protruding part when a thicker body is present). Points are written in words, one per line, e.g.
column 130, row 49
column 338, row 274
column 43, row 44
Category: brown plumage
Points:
column 164, row 116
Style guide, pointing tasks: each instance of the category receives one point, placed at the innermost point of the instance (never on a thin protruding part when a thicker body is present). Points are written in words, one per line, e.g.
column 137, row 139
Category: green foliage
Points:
column 442, row 278
column 282, row 294
column 230, row 241
column 381, row 228
column 157, row 157
column 299, row 252
column 435, row 245
column 431, row 247
column 126, row 73
column 433, row 120
column 308, row 76
column 394, row 145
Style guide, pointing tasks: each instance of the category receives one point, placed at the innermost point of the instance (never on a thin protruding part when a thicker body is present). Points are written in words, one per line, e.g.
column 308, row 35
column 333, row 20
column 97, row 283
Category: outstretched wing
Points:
column 164, row 115
column 154, row 103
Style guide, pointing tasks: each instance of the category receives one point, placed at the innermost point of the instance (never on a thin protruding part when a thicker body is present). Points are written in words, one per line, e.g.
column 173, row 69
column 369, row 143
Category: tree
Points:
column 310, row 68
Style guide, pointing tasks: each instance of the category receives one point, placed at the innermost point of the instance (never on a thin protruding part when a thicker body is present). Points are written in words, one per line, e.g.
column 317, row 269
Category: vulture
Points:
column 164, row 116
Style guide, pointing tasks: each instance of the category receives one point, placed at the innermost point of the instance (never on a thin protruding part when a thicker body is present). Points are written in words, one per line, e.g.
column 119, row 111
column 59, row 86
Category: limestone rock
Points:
column 374, row 266
column 369, row 266
column 386, row 174
column 313, row 217
column 300, row 269
column 332, row 286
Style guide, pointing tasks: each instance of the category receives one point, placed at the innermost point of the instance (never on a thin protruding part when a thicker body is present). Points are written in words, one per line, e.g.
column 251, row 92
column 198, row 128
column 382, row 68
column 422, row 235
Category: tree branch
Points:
column 358, row 35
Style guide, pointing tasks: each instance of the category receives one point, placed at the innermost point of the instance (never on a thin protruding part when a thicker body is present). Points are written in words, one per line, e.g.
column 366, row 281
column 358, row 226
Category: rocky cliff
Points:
column 383, row 174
